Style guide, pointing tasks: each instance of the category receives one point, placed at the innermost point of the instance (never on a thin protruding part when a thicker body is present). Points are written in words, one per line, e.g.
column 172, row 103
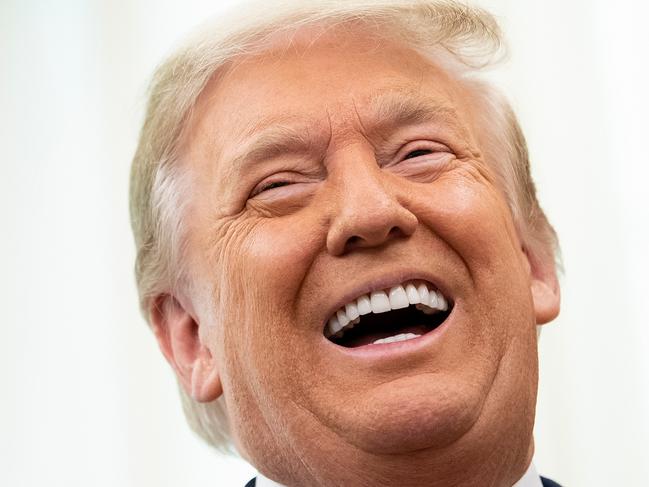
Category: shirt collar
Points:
column 530, row 479
column 265, row 482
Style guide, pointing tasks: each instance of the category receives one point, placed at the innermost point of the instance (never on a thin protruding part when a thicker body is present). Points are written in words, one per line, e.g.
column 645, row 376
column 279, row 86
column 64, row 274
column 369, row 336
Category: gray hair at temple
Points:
column 464, row 40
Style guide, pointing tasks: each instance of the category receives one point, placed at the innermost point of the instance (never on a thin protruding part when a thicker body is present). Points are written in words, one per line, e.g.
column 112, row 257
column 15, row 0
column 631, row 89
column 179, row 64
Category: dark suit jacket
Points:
column 544, row 481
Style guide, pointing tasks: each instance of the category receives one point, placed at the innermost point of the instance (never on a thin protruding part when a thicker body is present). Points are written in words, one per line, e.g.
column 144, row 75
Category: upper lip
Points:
column 384, row 281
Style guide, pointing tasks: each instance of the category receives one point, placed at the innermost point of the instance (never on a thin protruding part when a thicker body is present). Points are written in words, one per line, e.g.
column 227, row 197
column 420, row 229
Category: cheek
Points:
column 472, row 217
column 276, row 258
column 280, row 250
column 264, row 264
column 266, row 268
column 257, row 261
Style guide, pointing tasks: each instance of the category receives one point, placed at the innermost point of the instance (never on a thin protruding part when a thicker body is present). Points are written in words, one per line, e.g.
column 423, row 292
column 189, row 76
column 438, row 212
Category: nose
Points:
column 369, row 211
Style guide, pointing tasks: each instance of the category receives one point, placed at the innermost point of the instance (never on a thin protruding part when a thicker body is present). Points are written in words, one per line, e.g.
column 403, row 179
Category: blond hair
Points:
column 467, row 35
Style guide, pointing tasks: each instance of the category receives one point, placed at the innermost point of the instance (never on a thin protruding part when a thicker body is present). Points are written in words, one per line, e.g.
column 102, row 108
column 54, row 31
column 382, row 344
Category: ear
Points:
column 177, row 332
column 544, row 286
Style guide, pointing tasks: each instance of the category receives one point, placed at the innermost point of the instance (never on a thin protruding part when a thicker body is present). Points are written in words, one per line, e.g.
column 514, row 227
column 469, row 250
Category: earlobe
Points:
column 177, row 332
column 205, row 379
column 544, row 287
column 546, row 301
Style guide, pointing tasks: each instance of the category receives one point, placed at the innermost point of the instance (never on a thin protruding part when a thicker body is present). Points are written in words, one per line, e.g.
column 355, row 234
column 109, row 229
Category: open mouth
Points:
column 403, row 312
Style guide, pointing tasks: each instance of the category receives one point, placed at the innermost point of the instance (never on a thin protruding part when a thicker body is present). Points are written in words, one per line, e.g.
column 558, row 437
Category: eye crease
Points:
column 276, row 184
column 417, row 153
column 269, row 186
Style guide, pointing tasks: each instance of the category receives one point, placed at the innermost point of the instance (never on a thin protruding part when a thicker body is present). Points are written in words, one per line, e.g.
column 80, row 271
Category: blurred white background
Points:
column 86, row 397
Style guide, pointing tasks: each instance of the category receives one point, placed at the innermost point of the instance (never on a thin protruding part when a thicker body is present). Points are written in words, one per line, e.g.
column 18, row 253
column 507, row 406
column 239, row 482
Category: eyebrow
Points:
column 406, row 108
column 273, row 141
column 395, row 108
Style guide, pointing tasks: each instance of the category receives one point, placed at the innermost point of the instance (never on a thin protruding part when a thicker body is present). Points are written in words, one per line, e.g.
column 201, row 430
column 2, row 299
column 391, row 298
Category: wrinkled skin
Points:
column 349, row 208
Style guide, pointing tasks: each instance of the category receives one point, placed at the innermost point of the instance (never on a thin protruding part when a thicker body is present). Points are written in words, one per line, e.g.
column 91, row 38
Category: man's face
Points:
column 323, row 172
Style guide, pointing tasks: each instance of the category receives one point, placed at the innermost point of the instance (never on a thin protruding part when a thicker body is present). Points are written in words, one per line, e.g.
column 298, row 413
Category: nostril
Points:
column 356, row 241
column 353, row 241
column 356, row 231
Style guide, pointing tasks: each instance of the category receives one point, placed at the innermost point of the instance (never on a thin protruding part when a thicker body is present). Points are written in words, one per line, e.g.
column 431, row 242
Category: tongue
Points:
column 371, row 337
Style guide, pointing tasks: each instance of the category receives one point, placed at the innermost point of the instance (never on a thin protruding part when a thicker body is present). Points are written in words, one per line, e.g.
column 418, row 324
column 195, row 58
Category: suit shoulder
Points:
column 549, row 483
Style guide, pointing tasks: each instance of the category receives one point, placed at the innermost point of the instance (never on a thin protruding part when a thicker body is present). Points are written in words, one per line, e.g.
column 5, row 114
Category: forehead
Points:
column 338, row 80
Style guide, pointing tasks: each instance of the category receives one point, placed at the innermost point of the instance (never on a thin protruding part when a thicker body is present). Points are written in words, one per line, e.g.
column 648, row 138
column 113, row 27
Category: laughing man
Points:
column 339, row 245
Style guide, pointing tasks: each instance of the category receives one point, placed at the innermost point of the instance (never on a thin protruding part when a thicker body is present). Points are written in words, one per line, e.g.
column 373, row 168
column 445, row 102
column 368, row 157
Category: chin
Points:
column 412, row 413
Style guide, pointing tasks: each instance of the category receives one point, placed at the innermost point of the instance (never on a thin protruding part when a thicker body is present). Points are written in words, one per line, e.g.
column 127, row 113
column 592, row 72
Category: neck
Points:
column 458, row 464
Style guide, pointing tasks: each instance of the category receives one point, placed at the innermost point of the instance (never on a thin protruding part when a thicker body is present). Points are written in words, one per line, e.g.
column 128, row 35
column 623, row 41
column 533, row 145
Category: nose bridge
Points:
column 368, row 210
column 361, row 187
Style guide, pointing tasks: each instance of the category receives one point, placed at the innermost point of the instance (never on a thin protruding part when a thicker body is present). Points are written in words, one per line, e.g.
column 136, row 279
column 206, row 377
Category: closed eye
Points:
column 276, row 184
column 270, row 185
column 417, row 153
column 421, row 160
column 428, row 152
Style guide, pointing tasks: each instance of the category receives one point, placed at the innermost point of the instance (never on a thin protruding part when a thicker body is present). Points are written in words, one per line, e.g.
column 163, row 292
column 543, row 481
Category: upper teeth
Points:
column 427, row 299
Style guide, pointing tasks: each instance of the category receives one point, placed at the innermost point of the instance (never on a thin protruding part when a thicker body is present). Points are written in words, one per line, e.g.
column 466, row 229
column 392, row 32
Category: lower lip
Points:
column 380, row 351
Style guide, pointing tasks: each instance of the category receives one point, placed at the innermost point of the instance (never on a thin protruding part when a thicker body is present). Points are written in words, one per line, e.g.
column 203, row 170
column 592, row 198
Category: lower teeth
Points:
column 396, row 338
